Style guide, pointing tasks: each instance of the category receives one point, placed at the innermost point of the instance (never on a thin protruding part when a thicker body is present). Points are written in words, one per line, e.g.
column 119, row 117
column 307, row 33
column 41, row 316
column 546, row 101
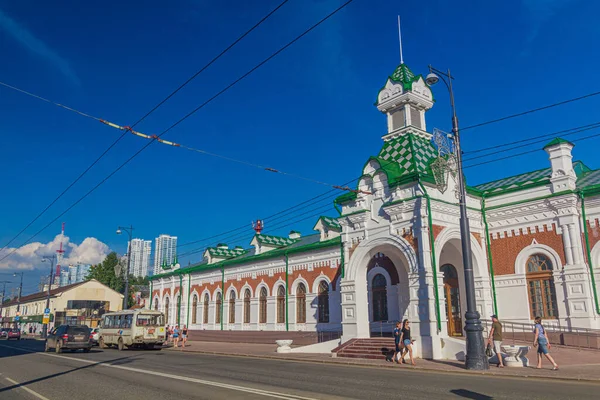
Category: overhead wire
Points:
column 124, row 132
column 156, row 137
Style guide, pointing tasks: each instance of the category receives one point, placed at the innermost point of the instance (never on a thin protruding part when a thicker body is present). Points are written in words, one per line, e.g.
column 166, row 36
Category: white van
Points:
column 132, row 328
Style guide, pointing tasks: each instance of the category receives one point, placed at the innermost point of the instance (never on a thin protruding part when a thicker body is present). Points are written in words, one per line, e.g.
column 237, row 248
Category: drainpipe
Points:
column 187, row 318
column 588, row 252
column 180, row 298
column 342, row 261
column 151, row 295
column 489, row 253
column 222, row 293
column 287, row 324
column 336, row 208
column 433, row 262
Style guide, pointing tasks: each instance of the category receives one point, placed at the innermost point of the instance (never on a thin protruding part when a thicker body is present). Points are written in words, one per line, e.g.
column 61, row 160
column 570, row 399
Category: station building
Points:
column 394, row 250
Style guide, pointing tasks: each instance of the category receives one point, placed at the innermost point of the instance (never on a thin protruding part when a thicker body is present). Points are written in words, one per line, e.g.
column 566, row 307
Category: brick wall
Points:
column 506, row 249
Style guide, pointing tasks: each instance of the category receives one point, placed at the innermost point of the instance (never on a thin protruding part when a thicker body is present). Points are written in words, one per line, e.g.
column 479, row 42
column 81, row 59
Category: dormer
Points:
column 404, row 99
column 222, row 252
column 328, row 227
column 263, row 243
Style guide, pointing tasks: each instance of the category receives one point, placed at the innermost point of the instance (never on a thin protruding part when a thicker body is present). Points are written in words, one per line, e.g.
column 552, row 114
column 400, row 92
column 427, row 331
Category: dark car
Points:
column 71, row 337
column 14, row 334
column 4, row 333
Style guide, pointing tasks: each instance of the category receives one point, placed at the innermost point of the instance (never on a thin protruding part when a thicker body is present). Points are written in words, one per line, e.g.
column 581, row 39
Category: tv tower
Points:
column 59, row 254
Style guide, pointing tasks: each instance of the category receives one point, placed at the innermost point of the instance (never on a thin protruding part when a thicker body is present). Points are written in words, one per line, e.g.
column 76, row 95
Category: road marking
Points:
column 245, row 389
column 25, row 388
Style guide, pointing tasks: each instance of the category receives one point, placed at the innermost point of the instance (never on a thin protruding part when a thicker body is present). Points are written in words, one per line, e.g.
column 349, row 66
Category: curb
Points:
column 392, row 366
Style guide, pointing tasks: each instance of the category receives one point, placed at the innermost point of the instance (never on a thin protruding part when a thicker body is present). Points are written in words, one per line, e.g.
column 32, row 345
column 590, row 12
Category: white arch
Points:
column 217, row 290
column 204, row 293
column 259, row 287
column 394, row 247
column 537, row 248
column 317, row 281
column 453, row 233
column 229, row 289
column 298, row 281
column 280, row 282
column 194, row 292
column 595, row 255
column 243, row 290
column 376, row 271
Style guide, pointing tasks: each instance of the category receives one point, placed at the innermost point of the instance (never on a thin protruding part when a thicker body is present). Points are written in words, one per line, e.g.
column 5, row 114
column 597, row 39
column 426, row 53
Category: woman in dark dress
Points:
column 406, row 340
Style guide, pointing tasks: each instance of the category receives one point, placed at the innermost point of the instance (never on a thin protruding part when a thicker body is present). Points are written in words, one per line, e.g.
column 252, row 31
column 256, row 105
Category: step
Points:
column 365, row 356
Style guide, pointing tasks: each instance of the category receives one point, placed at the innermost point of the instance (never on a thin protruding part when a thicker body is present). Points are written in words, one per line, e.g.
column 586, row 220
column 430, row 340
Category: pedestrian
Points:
column 184, row 333
column 495, row 337
column 397, row 350
column 406, row 341
column 167, row 335
column 176, row 335
column 541, row 340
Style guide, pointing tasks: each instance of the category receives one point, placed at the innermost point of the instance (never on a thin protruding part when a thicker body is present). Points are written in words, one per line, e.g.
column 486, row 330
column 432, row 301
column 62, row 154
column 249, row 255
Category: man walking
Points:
column 496, row 337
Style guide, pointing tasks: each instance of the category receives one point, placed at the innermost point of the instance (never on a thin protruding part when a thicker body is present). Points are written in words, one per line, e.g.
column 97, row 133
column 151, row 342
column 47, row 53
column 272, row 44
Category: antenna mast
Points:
column 400, row 40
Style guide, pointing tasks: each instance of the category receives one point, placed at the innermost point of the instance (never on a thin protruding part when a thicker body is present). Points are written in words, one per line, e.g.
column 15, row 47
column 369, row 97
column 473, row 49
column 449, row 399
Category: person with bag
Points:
column 495, row 336
column 542, row 342
column 406, row 341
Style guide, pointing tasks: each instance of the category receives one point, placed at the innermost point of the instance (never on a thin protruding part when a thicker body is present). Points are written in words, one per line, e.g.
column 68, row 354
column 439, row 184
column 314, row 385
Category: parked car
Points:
column 72, row 337
column 14, row 334
column 94, row 336
column 4, row 333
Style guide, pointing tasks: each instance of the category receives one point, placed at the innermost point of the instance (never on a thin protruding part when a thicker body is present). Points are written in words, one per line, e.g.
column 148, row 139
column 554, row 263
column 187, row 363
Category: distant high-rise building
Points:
column 72, row 274
column 165, row 252
column 140, row 250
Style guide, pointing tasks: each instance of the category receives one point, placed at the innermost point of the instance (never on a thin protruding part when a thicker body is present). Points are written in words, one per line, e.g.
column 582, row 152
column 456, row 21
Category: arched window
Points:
column 194, row 308
column 280, row 305
column 232, row 307
column 218, row 305
column 540, row 285
column 263, row 306
column 379, row 289
column 205, row 306
column 156, row 304
column 247, row 306
column 167, row 310
column 323, row 301
column 301, row 303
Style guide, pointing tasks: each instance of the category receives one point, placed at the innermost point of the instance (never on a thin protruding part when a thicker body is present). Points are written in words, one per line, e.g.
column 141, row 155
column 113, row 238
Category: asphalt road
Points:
column 28, row 373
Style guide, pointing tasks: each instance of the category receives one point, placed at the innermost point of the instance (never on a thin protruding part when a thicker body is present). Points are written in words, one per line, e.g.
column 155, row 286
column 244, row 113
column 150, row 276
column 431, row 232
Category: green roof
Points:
column 558, row 141
column 307, row 243
column 403, row 75
column 223, row 252
column 406, row 158
column 527, row 179
column 278, row 241
column 331, row 223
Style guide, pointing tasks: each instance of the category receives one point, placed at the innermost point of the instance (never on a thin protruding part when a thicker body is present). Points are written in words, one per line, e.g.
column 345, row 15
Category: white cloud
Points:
column 29, row 256
column 35, row 45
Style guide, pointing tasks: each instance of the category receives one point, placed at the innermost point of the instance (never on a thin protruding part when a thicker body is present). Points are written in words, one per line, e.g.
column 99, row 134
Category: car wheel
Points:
column 101, row 343
column 58, row 347
column 86, row 350
column 120, row 344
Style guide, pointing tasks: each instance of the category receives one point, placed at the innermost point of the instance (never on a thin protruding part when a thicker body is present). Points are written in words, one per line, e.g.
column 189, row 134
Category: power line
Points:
column 132, row 126
column 532, row 110
column 273, row 55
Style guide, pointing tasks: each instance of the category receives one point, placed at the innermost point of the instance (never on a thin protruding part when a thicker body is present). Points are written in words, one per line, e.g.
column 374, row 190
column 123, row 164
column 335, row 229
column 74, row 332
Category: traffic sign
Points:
column 46, row 319
column 47, row 311
column 17, row 318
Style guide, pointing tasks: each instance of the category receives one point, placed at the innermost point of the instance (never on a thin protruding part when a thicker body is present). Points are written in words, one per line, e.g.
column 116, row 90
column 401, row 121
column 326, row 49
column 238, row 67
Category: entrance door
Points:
column 452, row 297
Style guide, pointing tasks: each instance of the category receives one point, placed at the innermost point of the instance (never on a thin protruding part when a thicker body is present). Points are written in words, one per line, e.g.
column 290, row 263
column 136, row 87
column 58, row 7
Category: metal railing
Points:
column 522, row 332
column 382, row 328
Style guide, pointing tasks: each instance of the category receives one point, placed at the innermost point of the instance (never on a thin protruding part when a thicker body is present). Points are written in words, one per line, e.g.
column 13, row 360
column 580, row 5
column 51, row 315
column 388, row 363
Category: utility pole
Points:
column 19, row 295
column 51, row 260
column 129, row 231
column 2, row 299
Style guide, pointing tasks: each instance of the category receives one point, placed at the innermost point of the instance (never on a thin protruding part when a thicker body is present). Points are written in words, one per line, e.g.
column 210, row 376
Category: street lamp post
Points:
column 129, row 231
column 19, row 296
column 52, row 261
column 2, row 300
column 475, row 358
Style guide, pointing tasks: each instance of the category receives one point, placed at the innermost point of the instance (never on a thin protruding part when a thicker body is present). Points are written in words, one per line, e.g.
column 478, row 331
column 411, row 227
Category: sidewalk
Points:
column 574, row 364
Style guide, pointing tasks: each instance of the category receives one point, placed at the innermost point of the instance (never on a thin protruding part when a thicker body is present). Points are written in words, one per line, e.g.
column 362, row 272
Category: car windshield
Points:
column 149, row 320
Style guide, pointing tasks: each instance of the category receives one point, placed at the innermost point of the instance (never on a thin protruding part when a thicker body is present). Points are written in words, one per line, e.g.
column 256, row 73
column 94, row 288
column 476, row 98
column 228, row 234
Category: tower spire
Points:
column 400, row 41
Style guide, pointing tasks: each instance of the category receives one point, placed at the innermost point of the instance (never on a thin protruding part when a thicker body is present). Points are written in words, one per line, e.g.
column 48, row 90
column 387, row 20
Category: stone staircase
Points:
column 372, row 348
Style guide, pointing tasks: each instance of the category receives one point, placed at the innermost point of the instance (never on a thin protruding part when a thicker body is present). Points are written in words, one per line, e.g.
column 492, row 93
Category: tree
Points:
column 105, row 273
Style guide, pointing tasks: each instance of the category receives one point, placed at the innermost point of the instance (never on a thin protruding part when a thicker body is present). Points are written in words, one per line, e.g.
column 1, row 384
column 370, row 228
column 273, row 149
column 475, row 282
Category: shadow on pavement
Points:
column 467, row 394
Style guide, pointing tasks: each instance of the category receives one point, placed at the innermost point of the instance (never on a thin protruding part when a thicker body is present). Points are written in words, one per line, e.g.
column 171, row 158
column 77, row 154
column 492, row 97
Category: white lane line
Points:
column 262, row 392
column 25, row 388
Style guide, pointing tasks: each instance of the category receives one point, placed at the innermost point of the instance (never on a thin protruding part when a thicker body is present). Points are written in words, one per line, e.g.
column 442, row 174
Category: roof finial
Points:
column 400, row 40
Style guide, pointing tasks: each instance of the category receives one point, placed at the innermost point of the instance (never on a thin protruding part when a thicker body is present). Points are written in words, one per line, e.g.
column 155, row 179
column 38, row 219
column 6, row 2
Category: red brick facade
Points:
column 505, row 250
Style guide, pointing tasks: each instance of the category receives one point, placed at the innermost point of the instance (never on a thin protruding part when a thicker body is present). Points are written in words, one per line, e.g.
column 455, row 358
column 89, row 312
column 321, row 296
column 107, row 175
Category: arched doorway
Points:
column 379, row 307
column 540, row 287
column 452, row 300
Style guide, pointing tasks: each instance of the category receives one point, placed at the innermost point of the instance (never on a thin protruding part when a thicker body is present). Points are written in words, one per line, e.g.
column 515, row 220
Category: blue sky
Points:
column 309, row 111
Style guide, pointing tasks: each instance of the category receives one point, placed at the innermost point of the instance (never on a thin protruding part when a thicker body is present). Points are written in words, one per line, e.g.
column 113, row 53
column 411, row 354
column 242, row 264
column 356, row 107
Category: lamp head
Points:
column 432, row 79
column 119, row 231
